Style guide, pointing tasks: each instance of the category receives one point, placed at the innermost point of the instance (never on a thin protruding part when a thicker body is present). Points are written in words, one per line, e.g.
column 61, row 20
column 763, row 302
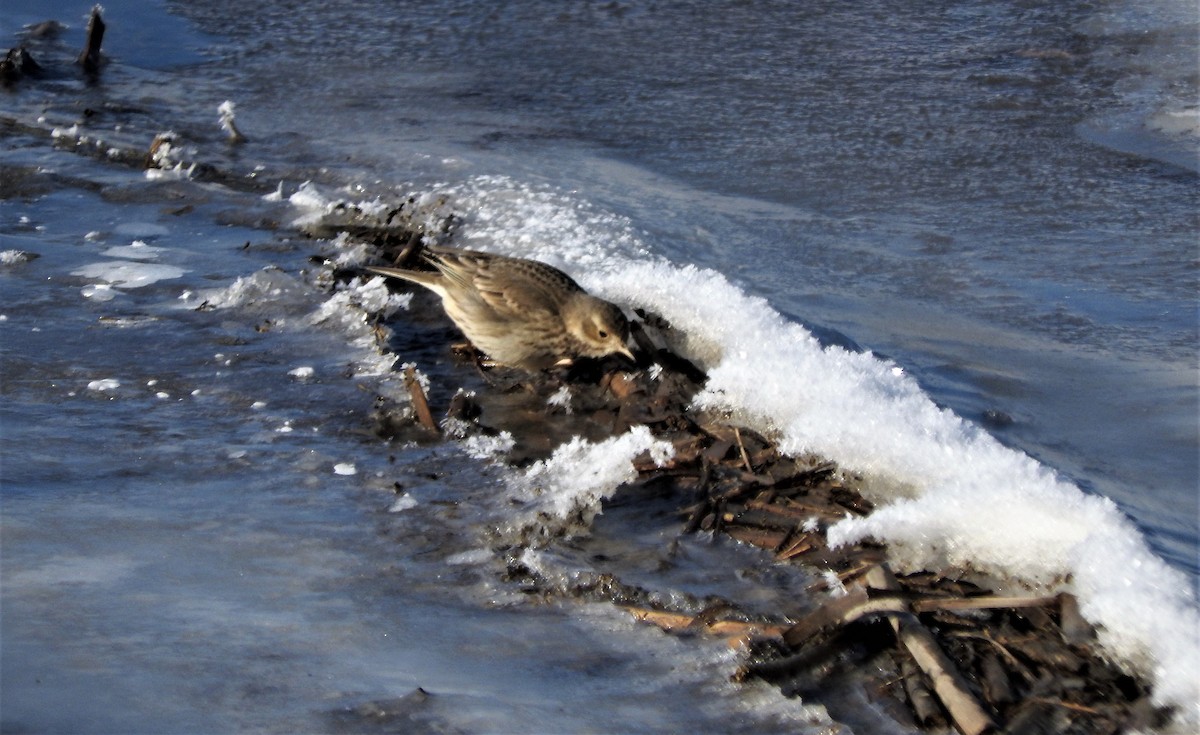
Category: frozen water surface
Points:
column 199, row 532
column 173, row 562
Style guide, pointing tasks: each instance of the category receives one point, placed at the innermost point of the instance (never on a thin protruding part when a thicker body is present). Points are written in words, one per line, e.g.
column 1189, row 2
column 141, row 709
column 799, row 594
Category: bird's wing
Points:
column 511, row 286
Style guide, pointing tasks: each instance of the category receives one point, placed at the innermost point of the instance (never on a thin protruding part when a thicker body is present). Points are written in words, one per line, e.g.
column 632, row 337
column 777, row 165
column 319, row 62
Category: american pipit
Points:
column 519, row 312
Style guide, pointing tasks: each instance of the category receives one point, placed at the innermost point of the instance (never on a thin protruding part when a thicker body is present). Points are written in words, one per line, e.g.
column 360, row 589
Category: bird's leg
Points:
column 482, row 362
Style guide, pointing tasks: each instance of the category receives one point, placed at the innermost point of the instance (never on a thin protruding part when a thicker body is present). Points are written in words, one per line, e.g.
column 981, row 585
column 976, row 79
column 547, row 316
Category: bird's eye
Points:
column 603, row 334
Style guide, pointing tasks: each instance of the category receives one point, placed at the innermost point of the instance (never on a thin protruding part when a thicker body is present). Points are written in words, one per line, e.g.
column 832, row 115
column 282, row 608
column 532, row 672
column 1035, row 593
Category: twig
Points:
column 855, row 605
column 1066, row 705
column 737, row 434
column 968, row 715
column 919, row 696
column 984, row 602
column 90, row 57
column 420, row 403
column 671, row 621
column 1012, row 660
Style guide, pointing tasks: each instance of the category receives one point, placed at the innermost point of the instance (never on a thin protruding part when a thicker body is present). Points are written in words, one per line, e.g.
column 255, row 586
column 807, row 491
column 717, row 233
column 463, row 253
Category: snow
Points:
column 482, row 446
column 950, row 492
column 947, row 492
column 561, row 399
column 580, row 474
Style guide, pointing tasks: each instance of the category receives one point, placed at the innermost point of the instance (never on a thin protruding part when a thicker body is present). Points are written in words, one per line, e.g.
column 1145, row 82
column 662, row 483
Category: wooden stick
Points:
column 737, row 434
column 919, row 696
column 969, row 716
column 839, row 611
column 672, row 621
column 801, row 544
column 984, row 602
column 1075, row 629
column 420, row 404
column 90, row 57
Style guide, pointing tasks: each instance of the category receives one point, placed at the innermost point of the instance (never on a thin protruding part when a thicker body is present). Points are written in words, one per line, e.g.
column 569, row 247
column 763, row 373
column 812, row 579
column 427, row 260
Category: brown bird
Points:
column 519, row 312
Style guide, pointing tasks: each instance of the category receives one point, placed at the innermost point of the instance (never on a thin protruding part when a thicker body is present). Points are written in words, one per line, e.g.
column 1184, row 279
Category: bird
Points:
column 520, row 313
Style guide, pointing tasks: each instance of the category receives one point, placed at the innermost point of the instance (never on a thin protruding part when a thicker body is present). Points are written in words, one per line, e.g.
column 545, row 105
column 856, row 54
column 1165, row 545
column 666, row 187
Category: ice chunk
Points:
column 15, row 257
column 129, row 274
column 403, row 503
column 137, row 250
column 99, row 292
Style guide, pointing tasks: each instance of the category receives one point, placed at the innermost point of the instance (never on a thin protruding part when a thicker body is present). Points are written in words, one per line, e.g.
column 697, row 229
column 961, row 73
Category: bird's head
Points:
column 600, row 327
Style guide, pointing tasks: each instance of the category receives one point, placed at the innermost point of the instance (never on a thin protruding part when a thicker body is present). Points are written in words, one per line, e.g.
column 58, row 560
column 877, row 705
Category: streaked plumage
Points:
column 519, row 312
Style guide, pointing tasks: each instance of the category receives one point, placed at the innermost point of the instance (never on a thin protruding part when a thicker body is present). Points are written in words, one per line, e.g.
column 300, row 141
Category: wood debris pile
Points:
column 938, row 647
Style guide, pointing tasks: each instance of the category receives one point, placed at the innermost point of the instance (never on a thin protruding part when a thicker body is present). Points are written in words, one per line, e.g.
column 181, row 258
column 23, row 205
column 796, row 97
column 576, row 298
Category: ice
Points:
column 471, row 557
column 225, row 117
column 63, row 569
column 345, row 468
column 351, row 254
column 349, row 307
column 482, row 446
column 104, row 384
column 99, row 292
column 137, row 250
column 136, row 229
column 1177, row 122
column 304, row 372
column 178, row 172
column 269, row 286
column 129, row 274
column 312, row 204
column 403, row 503
column 71, row 132
column 421, row 378
column 833, row 583
column 15, row 257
